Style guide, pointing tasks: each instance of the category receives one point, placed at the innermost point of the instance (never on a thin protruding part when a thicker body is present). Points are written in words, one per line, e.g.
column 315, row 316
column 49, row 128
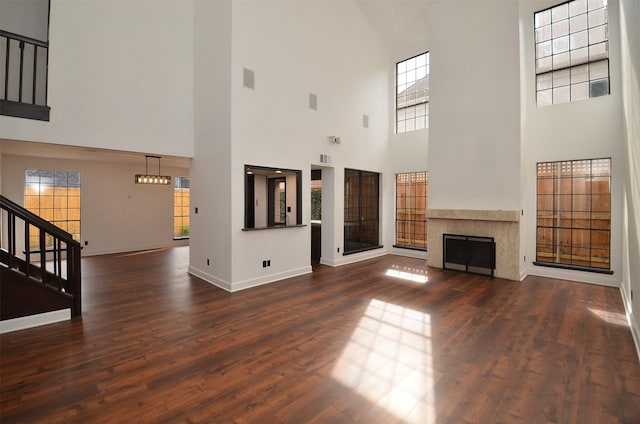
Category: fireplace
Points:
column 503, row 226
column 469, row 253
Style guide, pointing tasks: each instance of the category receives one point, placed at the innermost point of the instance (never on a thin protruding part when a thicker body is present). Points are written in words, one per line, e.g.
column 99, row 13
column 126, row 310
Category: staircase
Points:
column 41, row 279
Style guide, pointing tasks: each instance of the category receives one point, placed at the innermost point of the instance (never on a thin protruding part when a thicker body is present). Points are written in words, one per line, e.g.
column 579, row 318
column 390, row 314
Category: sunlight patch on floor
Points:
column 388, row 361
column 408, row 274
column 616, row 318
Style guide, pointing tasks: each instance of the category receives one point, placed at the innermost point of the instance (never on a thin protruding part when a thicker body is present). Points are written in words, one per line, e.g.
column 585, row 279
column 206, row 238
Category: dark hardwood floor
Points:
column 356, row 343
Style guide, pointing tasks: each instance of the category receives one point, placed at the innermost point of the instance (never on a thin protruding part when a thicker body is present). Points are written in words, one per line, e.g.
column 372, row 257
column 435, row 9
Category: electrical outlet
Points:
column 196, row 211
column 338, row 250
column 264, row 264
column 268, row 262
column 207, row 261
column 86, row 243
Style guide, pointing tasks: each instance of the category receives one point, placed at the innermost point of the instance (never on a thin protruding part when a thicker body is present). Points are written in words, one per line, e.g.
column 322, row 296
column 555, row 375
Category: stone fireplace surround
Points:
column 502, row 225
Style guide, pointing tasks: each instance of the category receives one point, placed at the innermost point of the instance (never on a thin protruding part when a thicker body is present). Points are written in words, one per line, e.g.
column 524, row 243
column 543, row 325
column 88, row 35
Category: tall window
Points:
column 55, row 197
column 316, row 200
column 412, row 191
column 572, row 52
column 574, row 214
column 412, row 93
column 361, row 210
column 180, row 207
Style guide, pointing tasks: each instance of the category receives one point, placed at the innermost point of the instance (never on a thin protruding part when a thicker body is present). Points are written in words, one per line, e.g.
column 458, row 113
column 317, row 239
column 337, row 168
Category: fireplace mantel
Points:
column 474, row 215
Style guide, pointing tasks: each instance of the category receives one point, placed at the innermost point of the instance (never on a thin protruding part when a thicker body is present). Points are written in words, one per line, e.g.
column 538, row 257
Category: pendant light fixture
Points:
column 146, row 178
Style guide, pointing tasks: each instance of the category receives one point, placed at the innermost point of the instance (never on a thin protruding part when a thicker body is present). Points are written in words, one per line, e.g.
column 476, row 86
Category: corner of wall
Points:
column 635, row 330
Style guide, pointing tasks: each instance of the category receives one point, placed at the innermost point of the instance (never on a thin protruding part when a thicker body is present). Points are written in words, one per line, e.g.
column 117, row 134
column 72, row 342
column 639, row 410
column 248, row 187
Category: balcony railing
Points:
column 23, row 76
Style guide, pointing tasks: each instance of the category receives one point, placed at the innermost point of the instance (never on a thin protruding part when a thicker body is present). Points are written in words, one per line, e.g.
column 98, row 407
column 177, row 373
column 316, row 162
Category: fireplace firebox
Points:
column 472, row 254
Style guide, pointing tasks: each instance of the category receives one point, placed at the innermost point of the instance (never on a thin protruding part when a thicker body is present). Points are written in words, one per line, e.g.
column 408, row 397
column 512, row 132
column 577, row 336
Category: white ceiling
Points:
column 398, row 22
column 57, row 151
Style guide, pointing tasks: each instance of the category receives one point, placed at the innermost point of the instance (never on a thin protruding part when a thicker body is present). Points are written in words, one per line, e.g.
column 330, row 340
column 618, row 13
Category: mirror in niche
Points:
column 272, row 197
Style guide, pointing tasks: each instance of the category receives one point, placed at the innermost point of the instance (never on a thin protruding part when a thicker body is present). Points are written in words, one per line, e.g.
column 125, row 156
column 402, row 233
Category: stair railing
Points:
column 23, row 90
column 61, row 271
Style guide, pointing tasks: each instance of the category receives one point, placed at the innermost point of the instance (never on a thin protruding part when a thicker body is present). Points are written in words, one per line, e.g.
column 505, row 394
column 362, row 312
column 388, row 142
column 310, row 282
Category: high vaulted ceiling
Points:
column 398, row 22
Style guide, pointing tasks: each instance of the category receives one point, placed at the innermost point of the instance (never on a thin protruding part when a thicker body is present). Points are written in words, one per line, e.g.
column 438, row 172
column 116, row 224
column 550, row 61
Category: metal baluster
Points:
column 27, row 248
column 6, row 67
column 43, row 257
column 35, row 67
column 21, row 69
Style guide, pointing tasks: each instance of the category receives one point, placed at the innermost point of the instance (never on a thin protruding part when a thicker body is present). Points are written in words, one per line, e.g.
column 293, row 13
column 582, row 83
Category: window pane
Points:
column 561, row 44
column 599, row 51
column 412, row 90
column 561, row 95
column 544, row 98
column 561, row 60
column 579, row 91
column 55, row 197
column 544, row 33
column 544, row 65
column 580, row 56
column 598, row 34
column 560, row 28
column 577, row 7
column 597, row 17
column 578, row 36
column 361, row 210
column 181, row 207
column 579, row 74
column 560, row 12
column 411, row 202
column 579, row 39
column 543, row 18
column 561, row 78
column 599, row 88
column 573, row 221
column 596, row 4
column 598, row 70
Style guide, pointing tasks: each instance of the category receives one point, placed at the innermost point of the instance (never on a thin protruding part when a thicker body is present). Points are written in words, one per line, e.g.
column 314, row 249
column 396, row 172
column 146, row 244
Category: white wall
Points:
column 293, row 52
column 630, row 57
column 474, row 136
column 25, row 17
column 578, row 130
column 120, row 77
column 117, row 215
column 210, row 240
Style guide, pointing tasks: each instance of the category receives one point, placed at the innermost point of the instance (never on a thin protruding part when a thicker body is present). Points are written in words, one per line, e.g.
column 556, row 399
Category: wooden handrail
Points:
column 19, row 37
column 63, row 244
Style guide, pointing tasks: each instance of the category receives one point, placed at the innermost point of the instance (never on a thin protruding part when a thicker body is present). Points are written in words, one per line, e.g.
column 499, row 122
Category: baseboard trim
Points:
column 635, row 331
column 247, row 284
column 353, row 258
column 571, row 275
column 37, row 320
column 271, row 278
column 211, row 279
